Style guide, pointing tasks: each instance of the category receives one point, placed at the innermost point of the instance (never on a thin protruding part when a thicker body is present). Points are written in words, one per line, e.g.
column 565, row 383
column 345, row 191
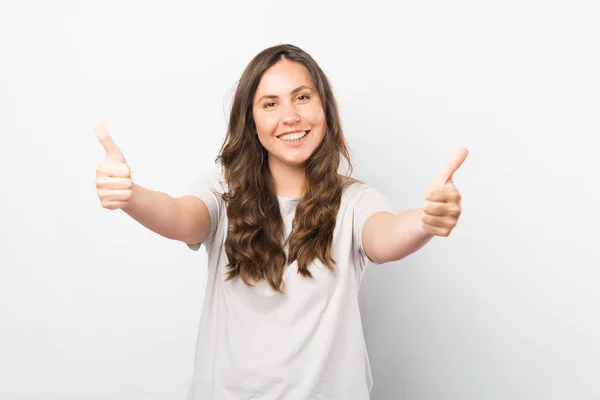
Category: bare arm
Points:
column 185, row 218
column 390, row 237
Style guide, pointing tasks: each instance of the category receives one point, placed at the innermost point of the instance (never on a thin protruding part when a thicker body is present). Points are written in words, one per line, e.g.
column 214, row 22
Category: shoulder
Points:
column 208, row 182
column 354, row 189
column 365, row 200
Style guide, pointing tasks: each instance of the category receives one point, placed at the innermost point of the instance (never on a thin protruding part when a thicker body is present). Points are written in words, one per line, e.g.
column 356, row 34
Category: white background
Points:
column 95, row 306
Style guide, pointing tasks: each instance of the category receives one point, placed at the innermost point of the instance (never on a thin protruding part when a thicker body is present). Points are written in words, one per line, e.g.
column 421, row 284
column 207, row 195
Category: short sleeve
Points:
column 208, row 187
column 368, row 202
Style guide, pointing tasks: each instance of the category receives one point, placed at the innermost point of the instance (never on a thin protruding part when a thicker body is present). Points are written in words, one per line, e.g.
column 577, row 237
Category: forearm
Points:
column 406, row 235
column 155, row 210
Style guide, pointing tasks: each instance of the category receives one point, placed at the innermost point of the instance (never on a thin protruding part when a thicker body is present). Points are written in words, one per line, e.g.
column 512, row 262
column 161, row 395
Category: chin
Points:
column 295, row 162
column 292, row 161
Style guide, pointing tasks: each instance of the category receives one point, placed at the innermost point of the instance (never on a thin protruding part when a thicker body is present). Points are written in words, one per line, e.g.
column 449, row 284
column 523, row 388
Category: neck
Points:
column 289, row 180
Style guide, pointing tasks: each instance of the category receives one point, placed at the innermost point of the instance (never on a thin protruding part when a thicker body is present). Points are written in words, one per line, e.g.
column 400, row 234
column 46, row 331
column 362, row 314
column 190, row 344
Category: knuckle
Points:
column 430, row 208
column 113, row 205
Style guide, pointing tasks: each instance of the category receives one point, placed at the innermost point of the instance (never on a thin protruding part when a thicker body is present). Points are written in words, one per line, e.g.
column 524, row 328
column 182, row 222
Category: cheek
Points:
column 266, row 123
column 322, row 118
column 318, row 114
column 319, row 119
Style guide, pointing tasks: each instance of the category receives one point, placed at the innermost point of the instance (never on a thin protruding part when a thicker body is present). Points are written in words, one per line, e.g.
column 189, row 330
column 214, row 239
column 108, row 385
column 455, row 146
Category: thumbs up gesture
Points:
column 441, row 209
column 113, row 175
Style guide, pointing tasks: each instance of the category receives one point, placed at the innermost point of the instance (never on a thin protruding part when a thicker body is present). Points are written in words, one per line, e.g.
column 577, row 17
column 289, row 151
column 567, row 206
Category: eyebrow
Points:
column 272, row 96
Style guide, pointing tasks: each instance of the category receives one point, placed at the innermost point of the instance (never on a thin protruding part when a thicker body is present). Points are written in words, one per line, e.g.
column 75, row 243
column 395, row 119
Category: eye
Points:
column 267, row 104
column 304, row 95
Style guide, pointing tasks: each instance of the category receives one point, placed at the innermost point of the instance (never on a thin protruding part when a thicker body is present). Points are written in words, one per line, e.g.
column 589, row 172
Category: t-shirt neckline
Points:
column 286, row 198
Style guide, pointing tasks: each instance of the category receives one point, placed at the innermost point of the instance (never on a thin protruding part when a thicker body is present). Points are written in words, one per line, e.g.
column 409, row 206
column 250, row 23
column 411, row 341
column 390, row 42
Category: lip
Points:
column 293, row 144
column 295, row 131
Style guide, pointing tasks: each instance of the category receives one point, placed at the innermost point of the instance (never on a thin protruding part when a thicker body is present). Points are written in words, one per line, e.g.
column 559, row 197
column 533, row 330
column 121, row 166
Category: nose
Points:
column 291, row 116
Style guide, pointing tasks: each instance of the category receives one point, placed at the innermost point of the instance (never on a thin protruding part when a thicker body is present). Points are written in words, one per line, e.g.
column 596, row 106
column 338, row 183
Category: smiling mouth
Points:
column 296, row 139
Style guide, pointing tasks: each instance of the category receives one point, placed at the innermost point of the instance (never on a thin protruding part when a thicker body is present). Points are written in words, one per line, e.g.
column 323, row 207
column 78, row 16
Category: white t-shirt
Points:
column 255, row 343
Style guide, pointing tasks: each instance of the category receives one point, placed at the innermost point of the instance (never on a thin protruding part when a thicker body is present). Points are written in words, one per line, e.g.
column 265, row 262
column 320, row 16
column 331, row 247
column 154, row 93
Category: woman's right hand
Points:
column 113, row 175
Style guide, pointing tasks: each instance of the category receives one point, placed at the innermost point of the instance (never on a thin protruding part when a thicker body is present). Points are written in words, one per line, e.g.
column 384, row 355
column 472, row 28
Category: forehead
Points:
column 283, row 77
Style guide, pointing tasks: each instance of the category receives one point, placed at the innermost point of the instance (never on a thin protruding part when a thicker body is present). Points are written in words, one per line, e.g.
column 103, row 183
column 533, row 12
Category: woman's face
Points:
column 286, row 101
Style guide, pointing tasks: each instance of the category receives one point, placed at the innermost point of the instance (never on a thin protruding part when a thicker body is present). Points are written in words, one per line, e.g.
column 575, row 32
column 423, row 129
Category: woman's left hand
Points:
column 441, row 209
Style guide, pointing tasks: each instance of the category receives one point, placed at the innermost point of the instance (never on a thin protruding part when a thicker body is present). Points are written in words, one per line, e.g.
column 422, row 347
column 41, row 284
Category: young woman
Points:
column 288, row 238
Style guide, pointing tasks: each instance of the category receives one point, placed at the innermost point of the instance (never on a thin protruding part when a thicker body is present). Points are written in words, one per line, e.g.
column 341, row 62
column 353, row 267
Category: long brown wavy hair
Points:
column 254, row 244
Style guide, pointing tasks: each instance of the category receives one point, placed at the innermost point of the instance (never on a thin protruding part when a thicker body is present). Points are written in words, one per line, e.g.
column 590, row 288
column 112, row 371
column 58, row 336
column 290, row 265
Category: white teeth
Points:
column 293, row 136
